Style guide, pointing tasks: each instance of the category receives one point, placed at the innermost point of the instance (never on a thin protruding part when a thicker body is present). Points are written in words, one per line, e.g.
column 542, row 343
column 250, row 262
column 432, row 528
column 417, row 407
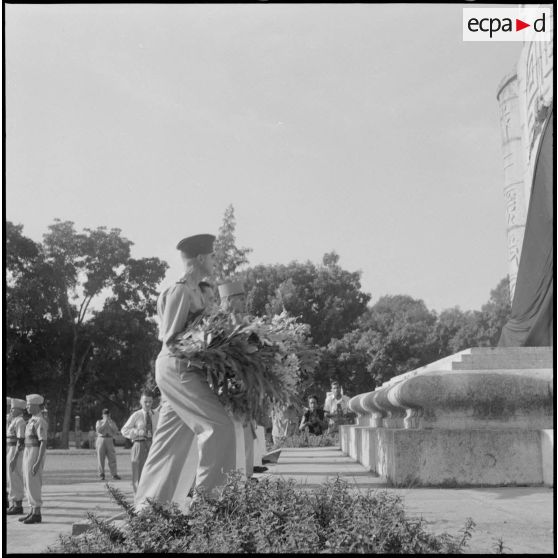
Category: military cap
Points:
column 18, row 403
column 106, row 412
column 231, row 288
column 9, row 401
column 196, row 245
column 35, row 399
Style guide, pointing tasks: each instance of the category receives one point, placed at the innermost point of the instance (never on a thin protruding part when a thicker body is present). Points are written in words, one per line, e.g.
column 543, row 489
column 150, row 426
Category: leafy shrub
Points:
column 271, row 516
column 305, row 441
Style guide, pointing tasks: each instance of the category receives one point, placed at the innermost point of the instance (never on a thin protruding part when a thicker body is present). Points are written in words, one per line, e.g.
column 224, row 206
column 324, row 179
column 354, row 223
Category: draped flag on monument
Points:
column 532, row 315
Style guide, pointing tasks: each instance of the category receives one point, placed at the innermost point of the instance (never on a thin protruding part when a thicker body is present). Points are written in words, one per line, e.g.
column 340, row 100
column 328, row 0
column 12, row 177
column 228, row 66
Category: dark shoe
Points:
column 116, row 477
column 33, row 518
column 259, row 469
column 102, row 477
column 15, row 510
column 26, row 517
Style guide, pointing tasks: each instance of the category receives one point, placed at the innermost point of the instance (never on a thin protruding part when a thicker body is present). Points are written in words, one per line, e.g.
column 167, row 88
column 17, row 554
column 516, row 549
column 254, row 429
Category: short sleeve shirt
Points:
column 16, row 428
column 37, row 426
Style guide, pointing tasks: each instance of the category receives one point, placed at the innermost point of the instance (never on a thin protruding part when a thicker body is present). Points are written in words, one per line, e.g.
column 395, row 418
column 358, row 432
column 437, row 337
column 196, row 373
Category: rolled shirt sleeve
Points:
column 20, row 428
column 42, row 429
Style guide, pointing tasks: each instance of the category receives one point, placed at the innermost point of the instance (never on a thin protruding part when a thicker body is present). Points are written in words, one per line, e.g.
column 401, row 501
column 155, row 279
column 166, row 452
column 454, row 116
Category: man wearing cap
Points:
column 34, row 458
column 106, row 431
column 192, row 420
column 233, row 300
column 140, row 428
column 14, row 456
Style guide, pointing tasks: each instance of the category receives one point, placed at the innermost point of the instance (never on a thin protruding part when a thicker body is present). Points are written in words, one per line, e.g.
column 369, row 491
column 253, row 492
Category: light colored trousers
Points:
column 193, row 427
column 105, row 450
column 15, row 477
column 138, row 455
column 244, row 448
column 33, row 483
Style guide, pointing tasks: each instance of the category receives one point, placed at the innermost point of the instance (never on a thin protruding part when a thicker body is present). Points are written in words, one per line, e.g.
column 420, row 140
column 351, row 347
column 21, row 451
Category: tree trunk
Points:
column 65, row 436
column 74, row 374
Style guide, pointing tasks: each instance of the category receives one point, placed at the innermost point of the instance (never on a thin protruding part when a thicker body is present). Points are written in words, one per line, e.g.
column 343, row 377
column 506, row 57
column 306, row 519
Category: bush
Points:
column 304, row 441
column 271, row 516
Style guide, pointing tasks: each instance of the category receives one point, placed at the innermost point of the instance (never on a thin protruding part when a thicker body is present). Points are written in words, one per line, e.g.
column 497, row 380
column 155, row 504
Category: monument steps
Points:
column 500, row 358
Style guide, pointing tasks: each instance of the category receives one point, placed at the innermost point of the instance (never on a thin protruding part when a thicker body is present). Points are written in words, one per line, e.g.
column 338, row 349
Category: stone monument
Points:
column 483, row 416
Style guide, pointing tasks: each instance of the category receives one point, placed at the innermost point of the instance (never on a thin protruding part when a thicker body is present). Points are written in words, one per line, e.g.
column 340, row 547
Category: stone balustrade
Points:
column 424, row 426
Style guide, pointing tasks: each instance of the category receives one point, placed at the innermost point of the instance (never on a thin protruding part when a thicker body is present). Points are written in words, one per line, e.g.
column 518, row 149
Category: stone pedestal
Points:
column 482, row 417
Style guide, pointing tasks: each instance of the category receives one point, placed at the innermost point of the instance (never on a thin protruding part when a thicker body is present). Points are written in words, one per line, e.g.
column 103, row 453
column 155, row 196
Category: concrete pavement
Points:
column 522, row 517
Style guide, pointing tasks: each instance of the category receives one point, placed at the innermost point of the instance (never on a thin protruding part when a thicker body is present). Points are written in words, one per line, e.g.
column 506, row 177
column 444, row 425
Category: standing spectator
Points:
column 336, row 406
column 106, row 430
column 34, row 458
column 140, row 428
column 313, row 421
column 14, row 457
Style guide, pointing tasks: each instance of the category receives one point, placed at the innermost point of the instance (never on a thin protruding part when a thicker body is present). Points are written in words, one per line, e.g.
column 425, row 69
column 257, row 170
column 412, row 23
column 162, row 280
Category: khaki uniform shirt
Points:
column 36, row 427
column 176, row 306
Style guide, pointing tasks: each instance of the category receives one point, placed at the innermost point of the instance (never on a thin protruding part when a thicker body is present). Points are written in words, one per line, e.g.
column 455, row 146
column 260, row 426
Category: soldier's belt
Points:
column 11, row 444
column 32, row 444
column 142, row 440
column 103, row 436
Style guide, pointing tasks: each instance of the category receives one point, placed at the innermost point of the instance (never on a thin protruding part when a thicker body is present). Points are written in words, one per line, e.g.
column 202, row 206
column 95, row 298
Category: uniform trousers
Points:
column 244, row 448
column 138, row 456
column 106, row 451
column 193, row 424
column 33, row 483
column 15, row 477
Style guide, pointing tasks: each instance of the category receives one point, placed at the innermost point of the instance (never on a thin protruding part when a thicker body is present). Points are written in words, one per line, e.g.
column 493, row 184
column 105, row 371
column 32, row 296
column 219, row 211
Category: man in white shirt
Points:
column 336, row 406
column 140, row 428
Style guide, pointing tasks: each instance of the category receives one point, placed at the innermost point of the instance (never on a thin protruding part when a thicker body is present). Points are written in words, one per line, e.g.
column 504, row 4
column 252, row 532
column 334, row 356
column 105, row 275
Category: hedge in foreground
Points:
column 271, row 516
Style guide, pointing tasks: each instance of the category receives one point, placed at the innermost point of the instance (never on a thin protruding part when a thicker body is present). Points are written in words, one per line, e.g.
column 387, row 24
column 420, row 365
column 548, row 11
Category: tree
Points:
column 76, row 272
column 496, row 312
column 326, row 297
column 455, row 330
column 228, row 258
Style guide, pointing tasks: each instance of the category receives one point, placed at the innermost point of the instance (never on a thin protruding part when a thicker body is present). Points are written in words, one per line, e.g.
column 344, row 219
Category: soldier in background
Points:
column 14, row 457
column 233, row 300
column 34, row 458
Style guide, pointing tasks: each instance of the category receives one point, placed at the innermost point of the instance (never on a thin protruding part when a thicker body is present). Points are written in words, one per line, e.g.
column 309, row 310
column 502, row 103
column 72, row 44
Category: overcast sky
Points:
column 371, row 130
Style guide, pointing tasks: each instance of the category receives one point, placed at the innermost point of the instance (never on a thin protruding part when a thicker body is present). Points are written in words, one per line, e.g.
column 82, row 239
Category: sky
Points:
column 371, row 130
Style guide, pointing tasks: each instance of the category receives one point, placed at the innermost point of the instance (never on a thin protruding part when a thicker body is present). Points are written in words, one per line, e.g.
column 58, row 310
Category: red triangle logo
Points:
column 519, row 25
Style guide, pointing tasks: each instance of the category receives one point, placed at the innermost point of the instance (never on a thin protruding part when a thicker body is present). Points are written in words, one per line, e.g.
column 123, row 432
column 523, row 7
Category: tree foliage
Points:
column 61, row 294
column 326, row 297
column 228, row 257
column 399, row 333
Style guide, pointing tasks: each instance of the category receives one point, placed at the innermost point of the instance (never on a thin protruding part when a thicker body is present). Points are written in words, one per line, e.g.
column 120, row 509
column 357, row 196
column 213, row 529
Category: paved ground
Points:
column 522, row 517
